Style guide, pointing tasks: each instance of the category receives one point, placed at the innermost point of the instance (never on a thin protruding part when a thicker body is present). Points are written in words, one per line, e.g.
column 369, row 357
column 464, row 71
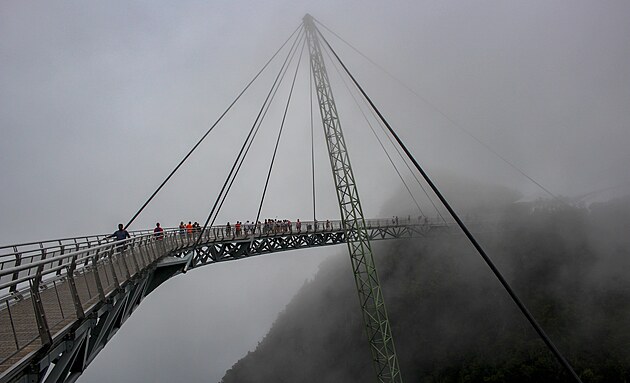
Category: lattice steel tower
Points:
column 365, row 276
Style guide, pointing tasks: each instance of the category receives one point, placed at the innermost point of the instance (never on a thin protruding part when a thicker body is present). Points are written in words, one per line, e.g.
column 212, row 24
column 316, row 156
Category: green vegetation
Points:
column 451, row 320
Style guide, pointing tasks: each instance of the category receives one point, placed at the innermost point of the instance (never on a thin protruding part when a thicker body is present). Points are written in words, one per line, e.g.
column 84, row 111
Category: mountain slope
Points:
column 450, row 318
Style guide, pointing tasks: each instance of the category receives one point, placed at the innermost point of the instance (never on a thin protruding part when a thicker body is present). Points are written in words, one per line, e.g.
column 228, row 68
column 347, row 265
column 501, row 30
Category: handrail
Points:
column 38, row 263
column 150, row 231
column 81, row 273
column 72, row 255
column 98, row 245
column 97, row 236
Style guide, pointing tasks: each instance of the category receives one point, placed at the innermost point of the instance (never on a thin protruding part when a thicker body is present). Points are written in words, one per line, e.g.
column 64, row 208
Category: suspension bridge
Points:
column 69, row 296
column 62, row 300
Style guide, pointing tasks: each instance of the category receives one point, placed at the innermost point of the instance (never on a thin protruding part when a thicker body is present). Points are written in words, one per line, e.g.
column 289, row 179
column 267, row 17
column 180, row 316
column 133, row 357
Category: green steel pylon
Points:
column 371, row 299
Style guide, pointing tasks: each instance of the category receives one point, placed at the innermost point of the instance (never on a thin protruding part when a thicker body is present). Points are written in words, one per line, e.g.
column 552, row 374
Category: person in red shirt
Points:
column 159, row 232
column 189, row 228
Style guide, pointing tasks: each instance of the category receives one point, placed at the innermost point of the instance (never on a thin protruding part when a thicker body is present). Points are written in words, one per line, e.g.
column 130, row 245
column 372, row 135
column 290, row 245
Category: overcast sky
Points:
column 100, row 100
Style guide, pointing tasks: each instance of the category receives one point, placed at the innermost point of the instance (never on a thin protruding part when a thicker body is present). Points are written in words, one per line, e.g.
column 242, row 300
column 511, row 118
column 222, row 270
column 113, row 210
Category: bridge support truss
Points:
column 371, row 299
column 67, row 305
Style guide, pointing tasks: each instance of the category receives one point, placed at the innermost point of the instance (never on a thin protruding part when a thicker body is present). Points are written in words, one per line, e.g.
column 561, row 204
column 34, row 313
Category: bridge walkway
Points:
column 66, row 298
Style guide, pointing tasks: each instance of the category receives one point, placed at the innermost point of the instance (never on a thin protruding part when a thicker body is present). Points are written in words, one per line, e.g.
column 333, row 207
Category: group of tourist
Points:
column 269, row 226
column 273, row 226
column 189, row 228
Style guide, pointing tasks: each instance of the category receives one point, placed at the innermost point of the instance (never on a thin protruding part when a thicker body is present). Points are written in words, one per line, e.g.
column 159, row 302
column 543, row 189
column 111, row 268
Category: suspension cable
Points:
column 212, row 211
column 275, row 150
column 463, row 227
column 209, row 130
column 406, row 162
column 310, row 92
column 391, row 161
column 439, row 214
column 447, row 118
column 242, row 160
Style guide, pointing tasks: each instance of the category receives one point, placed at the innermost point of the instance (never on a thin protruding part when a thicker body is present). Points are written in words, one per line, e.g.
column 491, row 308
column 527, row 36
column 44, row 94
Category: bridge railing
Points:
column 49, row 288
column 24, row 254
column 23, row 262
column 47, row 285
column 278, row 227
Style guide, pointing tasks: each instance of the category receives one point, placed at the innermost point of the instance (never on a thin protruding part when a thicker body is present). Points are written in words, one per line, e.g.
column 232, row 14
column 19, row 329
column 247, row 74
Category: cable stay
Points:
column 404, row 160
column 446, row 117
column 275, row 149
column 539, row 330
column 242, row 159
column 310, row 94
column 391, row 161
column 214, row 211
column 210, row 129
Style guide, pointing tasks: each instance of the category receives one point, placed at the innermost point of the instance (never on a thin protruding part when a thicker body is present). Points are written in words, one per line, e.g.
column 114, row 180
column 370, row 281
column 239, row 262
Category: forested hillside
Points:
column 451, row 320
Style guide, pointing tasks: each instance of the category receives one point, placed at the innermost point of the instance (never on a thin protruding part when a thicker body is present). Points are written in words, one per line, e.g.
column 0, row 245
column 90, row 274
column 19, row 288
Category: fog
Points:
column 450, row 318
column 98, row 102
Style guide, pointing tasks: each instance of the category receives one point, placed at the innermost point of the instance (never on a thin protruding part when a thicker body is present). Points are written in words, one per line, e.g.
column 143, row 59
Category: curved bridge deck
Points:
column 62, row 300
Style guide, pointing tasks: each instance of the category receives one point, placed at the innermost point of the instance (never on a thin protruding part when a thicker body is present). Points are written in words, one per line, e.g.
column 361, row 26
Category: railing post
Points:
column 121, row 255
column 162, row 247
column 155, row 250
column 133, row 252
column 16, row 275
column 146, row 251
column 97, row 277
column 138, row 246
column 17, row 343
column 62, row 249
column 111, row 264
column 73, row 289
column 38, row 307
column 58, row 300
column 151, row 249
column 171, row 242
column 89, row 245
column 43, row 251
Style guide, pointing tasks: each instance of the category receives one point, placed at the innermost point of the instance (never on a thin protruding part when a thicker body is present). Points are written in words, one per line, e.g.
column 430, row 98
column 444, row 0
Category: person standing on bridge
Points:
column 121, row 234
column 158, row 231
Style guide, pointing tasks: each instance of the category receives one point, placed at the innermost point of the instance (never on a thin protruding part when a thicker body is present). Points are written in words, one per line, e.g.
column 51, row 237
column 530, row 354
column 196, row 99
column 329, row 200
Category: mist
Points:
column 451, row 319
column 99, row 101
